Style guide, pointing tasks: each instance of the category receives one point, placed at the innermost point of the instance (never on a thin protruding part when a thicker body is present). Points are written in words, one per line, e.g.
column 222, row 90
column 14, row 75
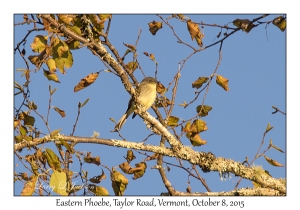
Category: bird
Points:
column 146, row 95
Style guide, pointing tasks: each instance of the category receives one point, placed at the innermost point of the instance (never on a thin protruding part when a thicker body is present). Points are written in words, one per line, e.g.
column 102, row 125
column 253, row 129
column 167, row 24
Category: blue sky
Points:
column 254, row 63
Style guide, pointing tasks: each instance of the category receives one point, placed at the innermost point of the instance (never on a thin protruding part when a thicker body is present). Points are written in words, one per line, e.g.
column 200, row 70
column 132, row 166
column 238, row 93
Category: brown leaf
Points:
column 195, row 139
column 98, row 179
column 195, row 32
column 139, row 170
column 273, row 162
column 126, row 168
column 130, row 46
column 244, row 24
column 223, row 82
column 29, row 186
column 160, row 88
column 130, row 156
column 90, row 159
column 154, row 27
column 162, row 102
column 85, row 82
column 59, row 111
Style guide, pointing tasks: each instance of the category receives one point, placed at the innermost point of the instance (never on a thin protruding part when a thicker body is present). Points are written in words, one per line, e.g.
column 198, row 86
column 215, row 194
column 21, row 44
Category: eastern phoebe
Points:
column 146, row 94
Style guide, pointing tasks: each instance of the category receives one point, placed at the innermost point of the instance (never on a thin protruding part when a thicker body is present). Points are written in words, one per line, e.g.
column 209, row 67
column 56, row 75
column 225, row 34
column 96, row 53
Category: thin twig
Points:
column 179, row 40
column 78, row 113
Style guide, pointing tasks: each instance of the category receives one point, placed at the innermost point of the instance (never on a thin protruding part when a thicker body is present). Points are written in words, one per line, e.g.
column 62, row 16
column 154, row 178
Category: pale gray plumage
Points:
column 146, row 93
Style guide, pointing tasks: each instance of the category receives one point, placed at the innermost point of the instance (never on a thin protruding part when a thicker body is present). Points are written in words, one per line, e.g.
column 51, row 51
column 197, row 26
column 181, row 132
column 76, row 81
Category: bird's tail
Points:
column 121, row 122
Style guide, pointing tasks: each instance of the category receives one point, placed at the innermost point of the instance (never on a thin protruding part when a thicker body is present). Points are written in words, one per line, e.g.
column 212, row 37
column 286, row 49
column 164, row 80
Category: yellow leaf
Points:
column 277, row 148
column 75, row 29
column 97, row 21
column 73, row 45
column 16, row 123
column 198, row 126
column 51, row 76
column 223, row 82
column 132, row 66
column 34, row 168
column 151, row 56
column 51, row 65
column 269, row 127
column 273, row 162
column 29, row 186
column 119, row 182
column 280, row 22
column 65, row 18
column 199, row 82
column 195, row 32
column 105, row 16
column 180, row 16
column 172, row 121
column 154, row 27
column 98, row 190
column 58, row 182
column 39, row 43
column 195, row 139
column 85, row 82
column 61, row 54
column 187, row 127
column 47, row 25
column 54, row 133
column 130, row 156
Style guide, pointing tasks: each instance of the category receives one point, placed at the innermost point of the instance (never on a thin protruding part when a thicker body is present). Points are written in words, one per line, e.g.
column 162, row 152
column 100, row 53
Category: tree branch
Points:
column 206, row 161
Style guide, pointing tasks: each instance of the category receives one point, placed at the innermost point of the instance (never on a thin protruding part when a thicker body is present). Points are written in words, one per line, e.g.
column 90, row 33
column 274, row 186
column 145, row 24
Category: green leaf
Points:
column 199, row 82
column 52, row 159
column 28, row 120
column 204, row 111
column 173, row 121
column 61, row 55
